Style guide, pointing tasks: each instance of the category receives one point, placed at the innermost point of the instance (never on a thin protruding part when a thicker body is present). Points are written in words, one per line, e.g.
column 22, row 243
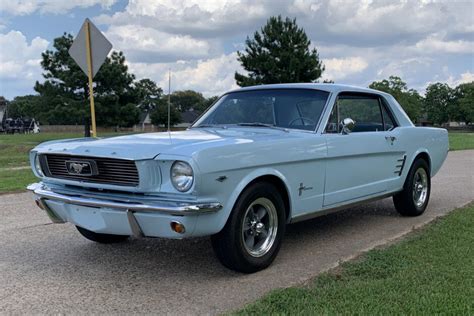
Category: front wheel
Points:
column 252, row 236
column 413, row 200
column 101, row 238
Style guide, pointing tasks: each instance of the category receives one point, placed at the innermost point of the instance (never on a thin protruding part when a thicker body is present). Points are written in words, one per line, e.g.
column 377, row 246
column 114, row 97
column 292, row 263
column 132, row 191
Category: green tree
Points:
column 159, row 116
column 64, row 93
column 207, row 103
column 439, row 103
column 186, row 99
column 279, row 53
column 129, row 115
column 27, row 106
column 148, row 94
column 464, row 102
column 409, row 99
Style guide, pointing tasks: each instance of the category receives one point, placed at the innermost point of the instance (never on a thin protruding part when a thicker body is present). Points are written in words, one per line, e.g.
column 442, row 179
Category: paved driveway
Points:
column 46, row 268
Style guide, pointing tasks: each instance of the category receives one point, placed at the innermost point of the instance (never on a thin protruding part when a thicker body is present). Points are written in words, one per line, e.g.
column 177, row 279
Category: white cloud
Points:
column 26, row 7
column 358, row 41
column 304, row 6
column 22, row 59
column 356, row 22
column 340, row 68
column 148, row 44
column 146, row 7
column 467, row 77
column 404, row 67
column 201, row 19
column 211, row 76
column 435, row 44
column 369, row 16
column 463, row 78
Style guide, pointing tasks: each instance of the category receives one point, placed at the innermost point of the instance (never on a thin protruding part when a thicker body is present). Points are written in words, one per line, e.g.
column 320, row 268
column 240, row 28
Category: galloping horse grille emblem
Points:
column 81, row 168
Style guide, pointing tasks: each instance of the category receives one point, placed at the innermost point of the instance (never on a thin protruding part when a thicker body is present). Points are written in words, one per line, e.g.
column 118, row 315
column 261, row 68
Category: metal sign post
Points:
column 89, row 50
column 89, row 74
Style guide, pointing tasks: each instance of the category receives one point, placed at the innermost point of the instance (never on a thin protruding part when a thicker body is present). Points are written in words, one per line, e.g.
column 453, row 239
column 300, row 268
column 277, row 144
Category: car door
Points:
column 360, row 163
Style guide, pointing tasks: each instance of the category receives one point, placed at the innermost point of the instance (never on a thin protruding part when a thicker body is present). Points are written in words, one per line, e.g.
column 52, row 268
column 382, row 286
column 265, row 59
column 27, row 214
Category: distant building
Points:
column 3, row 107
column 3, row 112
column 145, row 125
column 145, row 122
column 188, row 117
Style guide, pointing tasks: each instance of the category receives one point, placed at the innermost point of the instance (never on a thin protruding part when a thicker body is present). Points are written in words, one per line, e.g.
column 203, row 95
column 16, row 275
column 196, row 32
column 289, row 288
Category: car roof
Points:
column 329, row 87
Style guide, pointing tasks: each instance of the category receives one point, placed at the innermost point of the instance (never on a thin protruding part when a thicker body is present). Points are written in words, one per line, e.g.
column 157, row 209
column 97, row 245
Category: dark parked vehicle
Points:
column 18, row 125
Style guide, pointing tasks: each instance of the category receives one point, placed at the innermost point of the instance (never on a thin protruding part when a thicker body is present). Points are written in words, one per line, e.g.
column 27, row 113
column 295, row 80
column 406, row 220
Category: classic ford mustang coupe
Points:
column 258, row 159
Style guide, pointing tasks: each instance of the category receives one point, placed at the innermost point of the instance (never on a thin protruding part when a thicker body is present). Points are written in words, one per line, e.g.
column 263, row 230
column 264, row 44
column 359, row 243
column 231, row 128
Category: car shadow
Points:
column 60, row 251
column 156, row 258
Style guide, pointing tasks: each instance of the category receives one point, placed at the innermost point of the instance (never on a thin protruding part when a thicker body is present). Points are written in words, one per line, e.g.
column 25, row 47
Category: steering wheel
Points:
column 302, row 118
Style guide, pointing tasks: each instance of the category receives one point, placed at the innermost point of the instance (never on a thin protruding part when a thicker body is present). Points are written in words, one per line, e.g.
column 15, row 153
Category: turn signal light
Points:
column 177, row 227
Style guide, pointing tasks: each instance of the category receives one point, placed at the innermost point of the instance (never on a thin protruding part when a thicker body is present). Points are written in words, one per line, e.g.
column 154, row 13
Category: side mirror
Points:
column 348, row 125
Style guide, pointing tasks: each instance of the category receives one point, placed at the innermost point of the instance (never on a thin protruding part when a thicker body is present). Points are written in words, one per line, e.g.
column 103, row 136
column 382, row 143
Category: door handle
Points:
column 391, row 138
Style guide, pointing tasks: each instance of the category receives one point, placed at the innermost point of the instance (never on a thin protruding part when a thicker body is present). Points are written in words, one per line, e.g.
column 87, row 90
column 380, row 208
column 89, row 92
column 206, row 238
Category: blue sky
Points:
column 359, row 41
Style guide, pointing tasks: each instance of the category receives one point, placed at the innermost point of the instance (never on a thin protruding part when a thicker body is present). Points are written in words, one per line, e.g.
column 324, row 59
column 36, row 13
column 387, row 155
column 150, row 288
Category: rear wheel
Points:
column 413, row 200
column 252, row 236
column 101, row 238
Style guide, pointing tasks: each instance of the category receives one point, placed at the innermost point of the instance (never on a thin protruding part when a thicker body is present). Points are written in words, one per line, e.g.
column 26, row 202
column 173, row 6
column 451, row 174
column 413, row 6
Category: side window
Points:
column 389, row 124
column 333, row 122
column 365, row 110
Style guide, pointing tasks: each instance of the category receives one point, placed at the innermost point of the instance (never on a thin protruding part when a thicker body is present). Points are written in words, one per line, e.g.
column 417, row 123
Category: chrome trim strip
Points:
column 134, row 226
column 171, row 208
column 403, row 165
column 331, row 210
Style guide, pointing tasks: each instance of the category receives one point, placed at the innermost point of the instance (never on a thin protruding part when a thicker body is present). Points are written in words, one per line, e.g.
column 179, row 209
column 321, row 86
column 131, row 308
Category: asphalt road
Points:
column 47, row 268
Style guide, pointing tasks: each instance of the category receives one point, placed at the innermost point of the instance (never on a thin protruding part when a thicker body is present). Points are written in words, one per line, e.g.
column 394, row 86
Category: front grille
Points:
column 110, row 171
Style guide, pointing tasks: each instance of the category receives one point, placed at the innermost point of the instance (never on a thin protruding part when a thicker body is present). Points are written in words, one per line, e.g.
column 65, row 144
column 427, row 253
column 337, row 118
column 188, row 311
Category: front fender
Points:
column 214, row 223
column 257, row 174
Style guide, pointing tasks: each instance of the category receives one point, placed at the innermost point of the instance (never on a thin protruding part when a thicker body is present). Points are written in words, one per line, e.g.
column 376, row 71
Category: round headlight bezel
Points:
column 182, row 176
column 38, row 168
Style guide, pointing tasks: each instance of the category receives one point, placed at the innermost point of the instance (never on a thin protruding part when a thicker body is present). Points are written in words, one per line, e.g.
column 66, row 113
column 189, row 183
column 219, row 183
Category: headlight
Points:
column 38, row 169
column 182, row 176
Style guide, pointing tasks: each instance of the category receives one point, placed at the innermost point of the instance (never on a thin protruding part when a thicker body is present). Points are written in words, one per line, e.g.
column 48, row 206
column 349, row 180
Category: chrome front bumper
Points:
column 165, row 207
column 131, row 208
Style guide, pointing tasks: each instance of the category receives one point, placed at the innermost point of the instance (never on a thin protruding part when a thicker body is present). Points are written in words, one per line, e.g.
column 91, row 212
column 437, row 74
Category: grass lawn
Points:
column 461, row 141
column 15, row 180
column 14, row 151
column 430, row 272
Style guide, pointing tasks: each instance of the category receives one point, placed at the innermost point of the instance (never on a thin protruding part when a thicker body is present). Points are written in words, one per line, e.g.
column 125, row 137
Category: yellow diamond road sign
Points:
column 99, row 47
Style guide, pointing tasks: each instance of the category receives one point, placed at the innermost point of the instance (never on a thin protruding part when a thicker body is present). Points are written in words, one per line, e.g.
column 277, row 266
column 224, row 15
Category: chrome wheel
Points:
column 420, row 187
column 259, row 227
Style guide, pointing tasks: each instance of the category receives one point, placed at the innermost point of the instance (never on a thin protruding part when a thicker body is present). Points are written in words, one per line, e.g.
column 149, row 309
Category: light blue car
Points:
column 260, row 158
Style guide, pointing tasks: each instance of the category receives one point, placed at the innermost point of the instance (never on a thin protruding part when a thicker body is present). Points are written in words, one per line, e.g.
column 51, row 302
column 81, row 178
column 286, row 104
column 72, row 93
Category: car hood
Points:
column 149, row 145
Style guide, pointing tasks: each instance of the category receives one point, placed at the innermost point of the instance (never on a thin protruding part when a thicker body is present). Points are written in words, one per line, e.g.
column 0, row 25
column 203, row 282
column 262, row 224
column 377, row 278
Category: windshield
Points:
column 285, row 108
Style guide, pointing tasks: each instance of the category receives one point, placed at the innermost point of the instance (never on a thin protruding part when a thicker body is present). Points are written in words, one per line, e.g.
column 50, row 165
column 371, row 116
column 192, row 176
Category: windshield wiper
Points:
column 258, row 124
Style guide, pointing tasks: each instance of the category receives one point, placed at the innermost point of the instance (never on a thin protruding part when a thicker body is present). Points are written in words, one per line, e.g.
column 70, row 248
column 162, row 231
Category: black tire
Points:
column 101, row 238
column 229, row 245
column 406, row 201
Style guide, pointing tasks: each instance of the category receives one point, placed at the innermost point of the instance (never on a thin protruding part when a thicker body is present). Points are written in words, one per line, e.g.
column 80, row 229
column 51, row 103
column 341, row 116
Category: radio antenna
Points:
column 169, row 98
